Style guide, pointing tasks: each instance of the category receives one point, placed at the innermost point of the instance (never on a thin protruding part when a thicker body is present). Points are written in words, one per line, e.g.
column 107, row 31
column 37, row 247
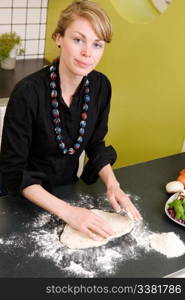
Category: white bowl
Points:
column 171, row 199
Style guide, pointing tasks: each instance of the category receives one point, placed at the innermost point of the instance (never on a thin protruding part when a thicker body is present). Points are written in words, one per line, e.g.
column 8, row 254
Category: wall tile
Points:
column 34, row 3
column 19, row 16
column 32, row 47
column 28, row 19
column 32, row 56
column 5, row 3
column 33, row 15
column 19, row 3
column 42, row 31
column 5, row 28
column 43, row 15
column 41, row 46
column 20, row 30
column 44, row 3
column 32, row 31
column 5, row 16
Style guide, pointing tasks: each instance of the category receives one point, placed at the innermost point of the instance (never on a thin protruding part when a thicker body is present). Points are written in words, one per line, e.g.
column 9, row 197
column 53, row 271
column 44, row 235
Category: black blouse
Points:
column 29, row 151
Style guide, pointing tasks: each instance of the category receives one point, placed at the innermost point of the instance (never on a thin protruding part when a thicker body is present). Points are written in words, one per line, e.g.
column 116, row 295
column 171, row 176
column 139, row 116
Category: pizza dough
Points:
column 77, row 240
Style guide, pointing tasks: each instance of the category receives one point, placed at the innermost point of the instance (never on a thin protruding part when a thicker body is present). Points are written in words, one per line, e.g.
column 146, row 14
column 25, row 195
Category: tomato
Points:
column 182, row 172
column 181, row 178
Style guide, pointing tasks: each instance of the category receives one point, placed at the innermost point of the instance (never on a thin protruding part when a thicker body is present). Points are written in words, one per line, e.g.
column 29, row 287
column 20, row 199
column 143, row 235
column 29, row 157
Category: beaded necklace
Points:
column 56, row 114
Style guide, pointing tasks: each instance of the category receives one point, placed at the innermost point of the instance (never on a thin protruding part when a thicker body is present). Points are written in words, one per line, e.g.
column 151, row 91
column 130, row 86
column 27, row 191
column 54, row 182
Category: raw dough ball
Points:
column 77, row 240
column 174, row 187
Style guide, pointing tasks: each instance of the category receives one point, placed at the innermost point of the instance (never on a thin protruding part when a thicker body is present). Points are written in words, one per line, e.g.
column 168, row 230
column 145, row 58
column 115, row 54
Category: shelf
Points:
column 8, row 78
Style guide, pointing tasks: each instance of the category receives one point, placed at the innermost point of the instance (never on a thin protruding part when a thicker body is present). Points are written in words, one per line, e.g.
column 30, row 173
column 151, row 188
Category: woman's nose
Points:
column 86, row 51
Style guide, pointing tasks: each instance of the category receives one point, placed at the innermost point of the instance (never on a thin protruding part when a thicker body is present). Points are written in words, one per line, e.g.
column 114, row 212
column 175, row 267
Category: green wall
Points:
column 146, row 65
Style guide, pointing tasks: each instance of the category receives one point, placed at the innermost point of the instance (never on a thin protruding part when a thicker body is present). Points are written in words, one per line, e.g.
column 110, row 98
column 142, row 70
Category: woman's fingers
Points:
column 95, row 232
column 119, row 200
column 129, row 207
column 90, row 234
column 136, row 214
column 86, row 221
column 99, row 231
column 96, row 236
column 113, row 202
column 103, row 226
column 115, row 205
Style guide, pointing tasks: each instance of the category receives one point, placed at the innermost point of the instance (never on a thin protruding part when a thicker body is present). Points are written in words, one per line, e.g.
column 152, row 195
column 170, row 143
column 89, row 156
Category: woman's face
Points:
column 81, row 49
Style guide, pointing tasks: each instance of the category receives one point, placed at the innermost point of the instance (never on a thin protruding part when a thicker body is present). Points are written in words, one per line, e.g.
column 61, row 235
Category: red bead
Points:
column 53, row 75
column 53, row 93
column 71, row 151
column 76, row 146
column 84, row 116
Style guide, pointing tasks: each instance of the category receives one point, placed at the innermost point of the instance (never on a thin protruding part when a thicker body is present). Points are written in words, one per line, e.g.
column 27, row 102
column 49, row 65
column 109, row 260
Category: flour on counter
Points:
column 41, row 220
column 12, row 241
column 140, row 234
column 102, row 261
column 168, row 244
column 74, row 268
column 89, row 262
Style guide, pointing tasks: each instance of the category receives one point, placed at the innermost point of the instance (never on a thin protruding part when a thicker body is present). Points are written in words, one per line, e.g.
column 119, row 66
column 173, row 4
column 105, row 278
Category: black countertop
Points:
column 8, row 78
column 146, row 181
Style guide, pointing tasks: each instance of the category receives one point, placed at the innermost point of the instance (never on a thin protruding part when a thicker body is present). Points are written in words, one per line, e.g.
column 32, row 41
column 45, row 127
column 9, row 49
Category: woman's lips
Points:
column 82, row 64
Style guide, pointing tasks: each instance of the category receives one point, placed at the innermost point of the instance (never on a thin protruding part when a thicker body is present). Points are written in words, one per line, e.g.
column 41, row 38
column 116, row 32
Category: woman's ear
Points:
column 58, row 40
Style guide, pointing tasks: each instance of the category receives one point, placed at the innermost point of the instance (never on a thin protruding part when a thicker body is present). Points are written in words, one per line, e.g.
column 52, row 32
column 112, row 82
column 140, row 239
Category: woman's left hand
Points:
column 119, row 200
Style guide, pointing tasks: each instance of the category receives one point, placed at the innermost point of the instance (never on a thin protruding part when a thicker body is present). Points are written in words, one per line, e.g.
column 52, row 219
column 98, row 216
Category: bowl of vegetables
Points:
column 175, row 208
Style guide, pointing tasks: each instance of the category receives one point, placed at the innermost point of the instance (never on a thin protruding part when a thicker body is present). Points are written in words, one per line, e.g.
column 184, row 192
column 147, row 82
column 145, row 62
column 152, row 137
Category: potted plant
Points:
column 10, row 47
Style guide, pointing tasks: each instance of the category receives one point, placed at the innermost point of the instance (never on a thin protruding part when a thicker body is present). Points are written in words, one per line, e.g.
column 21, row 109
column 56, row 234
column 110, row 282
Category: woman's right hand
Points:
column 81, row 219
column 87, row 222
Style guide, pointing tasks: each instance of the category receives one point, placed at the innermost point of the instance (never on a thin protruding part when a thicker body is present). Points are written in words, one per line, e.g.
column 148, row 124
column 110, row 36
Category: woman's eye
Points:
column 77, row 40
column 97, row 45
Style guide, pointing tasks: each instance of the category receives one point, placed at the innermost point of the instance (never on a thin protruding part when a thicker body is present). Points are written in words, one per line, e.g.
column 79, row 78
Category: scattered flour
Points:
column 168, row 244
column 43, row 234
column 41, row 220
column 89, row 262
column 78, row 269
column 140, row 234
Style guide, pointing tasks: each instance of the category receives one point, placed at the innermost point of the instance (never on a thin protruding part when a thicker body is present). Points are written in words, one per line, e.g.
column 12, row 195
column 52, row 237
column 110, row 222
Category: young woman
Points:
column 55, row 114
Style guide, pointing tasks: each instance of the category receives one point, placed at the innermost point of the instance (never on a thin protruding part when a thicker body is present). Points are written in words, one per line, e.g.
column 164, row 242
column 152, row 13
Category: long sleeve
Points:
column 17, row 138
column 99, row 155
column 29, row 149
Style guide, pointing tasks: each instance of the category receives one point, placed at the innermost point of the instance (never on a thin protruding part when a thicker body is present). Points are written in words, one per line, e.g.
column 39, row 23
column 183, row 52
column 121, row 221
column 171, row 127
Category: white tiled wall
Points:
column 28, row 19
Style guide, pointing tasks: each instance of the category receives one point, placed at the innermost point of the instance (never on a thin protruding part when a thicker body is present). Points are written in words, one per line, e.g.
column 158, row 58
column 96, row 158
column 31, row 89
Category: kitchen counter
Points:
column 146, row 180
column 8, row 78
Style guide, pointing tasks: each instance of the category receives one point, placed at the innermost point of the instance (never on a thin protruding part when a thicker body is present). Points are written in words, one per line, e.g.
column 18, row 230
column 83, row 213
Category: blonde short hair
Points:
column 89, row 10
